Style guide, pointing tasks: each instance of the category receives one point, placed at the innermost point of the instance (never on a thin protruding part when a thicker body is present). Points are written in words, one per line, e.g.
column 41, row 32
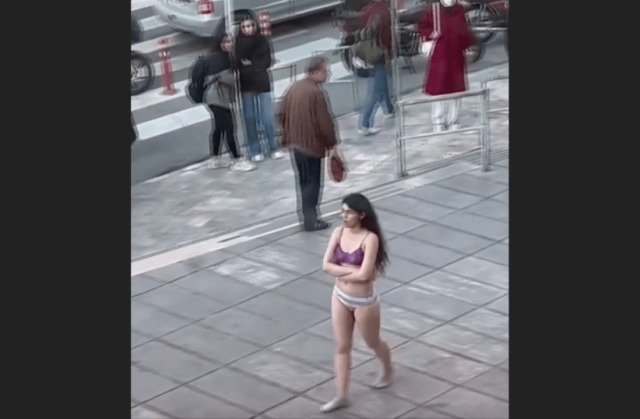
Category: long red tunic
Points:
column 447, row 72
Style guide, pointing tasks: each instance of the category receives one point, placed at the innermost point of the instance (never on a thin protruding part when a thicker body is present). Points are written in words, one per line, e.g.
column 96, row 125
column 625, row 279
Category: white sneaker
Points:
column 368, row 131
column 242, row 165
column 257, row 158
column 277, row 155
column 453, row 127
column 390, row 115
column 218, row 163
column 439, row 128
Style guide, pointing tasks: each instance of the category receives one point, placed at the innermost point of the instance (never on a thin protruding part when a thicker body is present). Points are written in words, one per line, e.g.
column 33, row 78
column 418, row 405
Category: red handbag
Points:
column 336, row 166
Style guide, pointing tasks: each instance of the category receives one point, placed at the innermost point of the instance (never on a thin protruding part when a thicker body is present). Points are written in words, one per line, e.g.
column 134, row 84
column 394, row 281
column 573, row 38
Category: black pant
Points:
column 223, row 124
column 309, row 170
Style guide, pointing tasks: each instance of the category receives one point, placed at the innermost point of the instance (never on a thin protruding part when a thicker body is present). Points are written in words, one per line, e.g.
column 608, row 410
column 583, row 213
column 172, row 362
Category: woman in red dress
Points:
column 446, row 72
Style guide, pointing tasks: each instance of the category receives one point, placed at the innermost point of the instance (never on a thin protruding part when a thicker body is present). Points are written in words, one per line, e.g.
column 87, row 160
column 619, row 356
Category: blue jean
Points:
column 377, row 95
column 258, row 109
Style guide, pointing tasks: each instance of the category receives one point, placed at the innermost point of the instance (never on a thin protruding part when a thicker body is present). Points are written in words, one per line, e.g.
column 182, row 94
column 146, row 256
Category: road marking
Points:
column 198, row 113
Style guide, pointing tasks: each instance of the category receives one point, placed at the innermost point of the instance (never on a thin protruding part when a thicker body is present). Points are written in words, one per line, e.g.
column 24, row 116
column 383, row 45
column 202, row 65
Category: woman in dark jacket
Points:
column 253, row 58
column 219, row 61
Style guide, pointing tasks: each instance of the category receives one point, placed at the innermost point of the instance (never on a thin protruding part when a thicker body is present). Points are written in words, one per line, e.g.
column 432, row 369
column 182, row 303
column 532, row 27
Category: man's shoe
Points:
column 320, row 225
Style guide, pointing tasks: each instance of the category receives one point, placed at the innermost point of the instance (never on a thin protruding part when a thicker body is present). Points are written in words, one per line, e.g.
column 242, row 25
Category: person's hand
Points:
column 246, row 62
column 434, row 35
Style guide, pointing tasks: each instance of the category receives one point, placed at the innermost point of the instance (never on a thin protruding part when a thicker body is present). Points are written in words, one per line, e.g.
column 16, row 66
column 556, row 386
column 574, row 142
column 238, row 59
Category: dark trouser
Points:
column 223, row 125
column 309, row 170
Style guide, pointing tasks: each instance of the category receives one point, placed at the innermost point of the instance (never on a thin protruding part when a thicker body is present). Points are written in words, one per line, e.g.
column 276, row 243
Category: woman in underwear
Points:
column 355, row 255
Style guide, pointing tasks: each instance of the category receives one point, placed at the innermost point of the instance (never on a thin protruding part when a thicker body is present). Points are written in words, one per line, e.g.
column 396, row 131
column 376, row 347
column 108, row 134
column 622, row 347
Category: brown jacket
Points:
column 306, row 121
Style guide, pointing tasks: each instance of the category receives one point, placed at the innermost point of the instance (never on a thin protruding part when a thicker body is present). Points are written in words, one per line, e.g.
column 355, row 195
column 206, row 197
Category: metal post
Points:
column 485, row 134
column 402, row 170
column 396, row 85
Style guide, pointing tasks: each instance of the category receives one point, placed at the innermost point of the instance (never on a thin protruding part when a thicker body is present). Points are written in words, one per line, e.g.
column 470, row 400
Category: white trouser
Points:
column 445, row 113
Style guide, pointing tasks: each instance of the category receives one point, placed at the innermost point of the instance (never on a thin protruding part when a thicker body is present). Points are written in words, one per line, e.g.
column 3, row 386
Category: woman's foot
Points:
column 337, row 403
column 217, row 163
column 383, row 381
column 243, row 165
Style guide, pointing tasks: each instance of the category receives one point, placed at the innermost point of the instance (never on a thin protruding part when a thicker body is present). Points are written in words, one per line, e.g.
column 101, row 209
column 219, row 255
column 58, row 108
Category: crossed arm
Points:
column 366, row 272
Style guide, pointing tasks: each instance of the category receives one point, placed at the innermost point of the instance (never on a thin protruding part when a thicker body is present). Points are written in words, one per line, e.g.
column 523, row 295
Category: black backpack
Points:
column 196, row 86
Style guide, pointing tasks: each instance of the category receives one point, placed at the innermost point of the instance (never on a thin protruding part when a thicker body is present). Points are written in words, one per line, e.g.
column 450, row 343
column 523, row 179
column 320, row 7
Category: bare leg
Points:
column 343, row 321
column 368, row 322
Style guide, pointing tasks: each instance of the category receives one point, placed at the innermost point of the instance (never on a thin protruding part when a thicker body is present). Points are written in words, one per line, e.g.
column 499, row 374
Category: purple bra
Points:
column 354, row 258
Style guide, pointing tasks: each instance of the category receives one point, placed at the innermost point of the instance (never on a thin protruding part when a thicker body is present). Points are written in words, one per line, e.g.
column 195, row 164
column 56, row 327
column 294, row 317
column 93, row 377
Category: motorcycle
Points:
column 141, row 73
column 348, row 20
column 488, row 14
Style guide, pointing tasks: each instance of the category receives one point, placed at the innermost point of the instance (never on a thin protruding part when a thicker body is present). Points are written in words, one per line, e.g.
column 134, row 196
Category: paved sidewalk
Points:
column 244, row 332
column 197, row 203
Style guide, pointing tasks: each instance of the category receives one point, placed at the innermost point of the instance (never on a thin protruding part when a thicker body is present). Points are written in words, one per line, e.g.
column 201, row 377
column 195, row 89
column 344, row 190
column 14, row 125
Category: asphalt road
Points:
column 188, row 145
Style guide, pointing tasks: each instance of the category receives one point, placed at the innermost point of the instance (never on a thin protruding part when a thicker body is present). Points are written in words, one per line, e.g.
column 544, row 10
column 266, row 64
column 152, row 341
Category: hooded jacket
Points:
column 254, row 77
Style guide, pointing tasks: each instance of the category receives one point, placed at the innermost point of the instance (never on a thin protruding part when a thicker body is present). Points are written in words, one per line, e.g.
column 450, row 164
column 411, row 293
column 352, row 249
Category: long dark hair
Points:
column 361, row 204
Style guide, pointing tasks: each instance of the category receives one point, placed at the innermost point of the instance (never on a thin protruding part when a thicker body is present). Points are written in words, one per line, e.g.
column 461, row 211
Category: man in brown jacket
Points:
column 308, row 128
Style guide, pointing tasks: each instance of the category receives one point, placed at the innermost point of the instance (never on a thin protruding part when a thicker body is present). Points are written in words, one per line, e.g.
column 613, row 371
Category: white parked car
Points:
column 204, row 18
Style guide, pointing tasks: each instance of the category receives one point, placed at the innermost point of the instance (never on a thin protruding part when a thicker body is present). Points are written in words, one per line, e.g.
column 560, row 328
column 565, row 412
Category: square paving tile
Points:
column 407, row 384
column 285, row 310
column 422, row 252
column 395, row 223
column 286, row 258
column 475, row 224
column 404, row 271
column 153, row 322
column 302, row 407
column 498, row 253
column 308, row 291
column 502, row 163
column 209, row 259
column 171, row 362
column 308, row 243
column 405, row 323
column 449, row 238
column 254, row 273
column 325, row 330
column 456, row 287
column 210, row 344
column 384, row 285
column 463, row 403
column 494, row 382
column 502, row 197
column 486, row 322
column 437, row 363
column 172, row 272
column 482, row 271
column 315, row 350
column 473, row 185
column 146, row 385
column 491, row 209
column 283, row 370
column 143, row 412
column 413, row 207
column 429, row 303
column 181, row 302
column 501, row 305
column 138, row 339
column 143, row 283
column 218, row 287
column 185, row 403
column 505, row 365
column 424, row 413
column 242, row 389
column 241, row 248
column 250, row 327
column 496, row 174
column 365, row 402
column 467, row 343
column 443, row 196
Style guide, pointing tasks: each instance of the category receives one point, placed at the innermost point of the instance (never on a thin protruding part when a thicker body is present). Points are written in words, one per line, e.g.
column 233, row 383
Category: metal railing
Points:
column 293, row 70
column 484, row 85
column 482, row 128
column 354, row 82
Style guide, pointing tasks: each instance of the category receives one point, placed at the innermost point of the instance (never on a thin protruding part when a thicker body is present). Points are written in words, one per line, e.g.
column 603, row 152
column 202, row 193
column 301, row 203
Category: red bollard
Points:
column 165, row 68
column 265, row 22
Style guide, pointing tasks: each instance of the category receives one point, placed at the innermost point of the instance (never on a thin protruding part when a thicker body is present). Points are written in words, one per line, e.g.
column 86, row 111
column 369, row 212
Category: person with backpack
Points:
column 253, row 57
column 376, row 17
column 213, row 83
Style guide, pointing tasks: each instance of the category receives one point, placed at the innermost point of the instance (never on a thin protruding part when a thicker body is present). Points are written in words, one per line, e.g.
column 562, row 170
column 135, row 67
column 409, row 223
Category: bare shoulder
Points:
column 371, row 239
column 336, row 231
